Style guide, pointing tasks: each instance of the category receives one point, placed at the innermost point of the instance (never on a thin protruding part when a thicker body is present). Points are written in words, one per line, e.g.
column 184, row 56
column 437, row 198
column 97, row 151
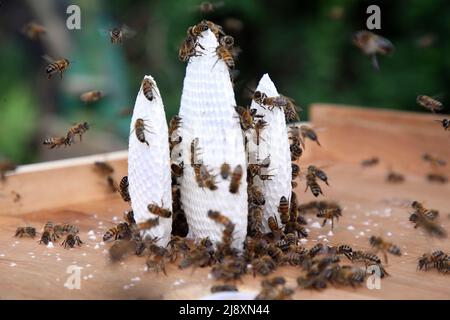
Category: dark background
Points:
column 305, row 46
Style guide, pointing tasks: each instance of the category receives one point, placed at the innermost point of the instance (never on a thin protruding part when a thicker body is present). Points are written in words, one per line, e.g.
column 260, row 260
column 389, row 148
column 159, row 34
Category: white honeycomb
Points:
column 149, row 166
column 207, row 112
column 275, row 144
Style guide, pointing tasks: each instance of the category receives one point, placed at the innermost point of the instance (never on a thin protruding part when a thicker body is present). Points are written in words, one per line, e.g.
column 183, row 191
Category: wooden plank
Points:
column 371, row 207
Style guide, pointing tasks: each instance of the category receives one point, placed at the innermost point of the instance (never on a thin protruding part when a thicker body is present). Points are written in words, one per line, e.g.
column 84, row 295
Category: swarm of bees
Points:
column 52, row 232
column 76, row 130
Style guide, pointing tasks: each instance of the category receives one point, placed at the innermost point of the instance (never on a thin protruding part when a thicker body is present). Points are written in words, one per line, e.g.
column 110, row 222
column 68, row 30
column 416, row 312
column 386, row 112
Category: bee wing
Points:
column 128, row 32
column 384, row 45
column 47, row 58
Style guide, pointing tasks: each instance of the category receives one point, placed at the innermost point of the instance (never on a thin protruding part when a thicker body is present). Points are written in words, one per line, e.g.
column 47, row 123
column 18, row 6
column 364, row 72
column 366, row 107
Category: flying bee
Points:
column 140, row 127
column 434, row 161
column 420, row 210
column 372, row 44
column 309, row 133
column 319, row 173
column 384, row 246
column 174, row 124
column 445, row 123
column 436, row 177
column 5, row 166
column 227, row 42
column 118, row 34
column 103, row 168
column 77, row 129
column 188, row 48
column 177, row 169
column 311, row 183
column 48, row 233
column 91, row 96
column 283, row 210
column 290, row 113
column 121, row 231
column 429, row 226
column 225, row 170
column 149, row 88
column 72, row 240
column 56, row 142
column 370, row 162
column 236, row 178
column 25, row 231
column 33, row 30
column 429, row 103
column 159, row 211
column 223, row 288
column 275, row 229
column 207, row 7
column 123, row 189
column 224, row 54
column 329, row 214
column 55, row 66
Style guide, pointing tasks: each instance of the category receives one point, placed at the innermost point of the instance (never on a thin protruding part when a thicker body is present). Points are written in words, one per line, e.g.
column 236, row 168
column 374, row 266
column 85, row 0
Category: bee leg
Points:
column 375, row 62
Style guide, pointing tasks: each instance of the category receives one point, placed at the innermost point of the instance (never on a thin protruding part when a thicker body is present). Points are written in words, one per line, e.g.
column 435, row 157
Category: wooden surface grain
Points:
column 371, row 207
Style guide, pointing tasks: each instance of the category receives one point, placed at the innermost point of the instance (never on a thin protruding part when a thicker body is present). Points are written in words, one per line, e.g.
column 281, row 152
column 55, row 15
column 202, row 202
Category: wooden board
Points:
column 70, row 191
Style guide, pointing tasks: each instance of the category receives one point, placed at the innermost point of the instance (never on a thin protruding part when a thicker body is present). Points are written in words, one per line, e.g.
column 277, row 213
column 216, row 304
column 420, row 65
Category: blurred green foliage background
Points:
column 305, row 46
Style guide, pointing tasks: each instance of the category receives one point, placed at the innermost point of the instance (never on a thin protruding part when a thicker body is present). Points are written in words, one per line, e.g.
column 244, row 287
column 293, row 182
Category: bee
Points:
column 200, row 256
column 319, row 173
column 290, row 113
column 56, row 142
column 188, row 48
column 6, row 166
column 122, row 232
column 438, row 260
column 207, row 7
column 246, row 117
column 72, row 240
column 174, row 124
column 275, row 229
column 283, row 210
column 256, row 196
column 77, row 129
column 120, row 249
column 436, row 177
column 370, row 162
column 429, row 103
column 159, row 211
column 430, row 226
column 117, row 34
column 17, row 196
column 103, row 168
column 128, row 216
column 295, row 171
column 343, row 249
column 395, row 177
column 255, row 224
column 194, row 153
column 372, row 44
column 445, row 123
column 33, row 30
column 61, row 229
column 140, row 128
column 197, row 30
column 91, row 96
column 177, row 169
column 177, row 245
column 230, row 269
column 311, row 183
column 157, row 259
column 272, row 102
column 263, row 265
column 296, row 228
column 148, row 224
column 309, row 133
column 361, row 256
column 223, row 288
column 236, row 178
column 215, row 28
column 384, row 246
column 224, row 54
column 225, row 170
column 296, row 151
column 329, row 214
column 204, row 178
column 48, row 233
column 420, row 210
column 348, row 275
column 274, row 289
column 260, row 125
column 123, row 189
column 148, row 88
column 25, row 231
column 55, row 66
column 434, row 161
